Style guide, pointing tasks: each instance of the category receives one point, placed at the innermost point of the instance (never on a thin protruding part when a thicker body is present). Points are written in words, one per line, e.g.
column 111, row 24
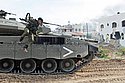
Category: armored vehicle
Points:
column 49, row 54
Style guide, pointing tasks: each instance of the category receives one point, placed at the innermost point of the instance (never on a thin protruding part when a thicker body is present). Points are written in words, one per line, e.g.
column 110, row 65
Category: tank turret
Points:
column 10, row 26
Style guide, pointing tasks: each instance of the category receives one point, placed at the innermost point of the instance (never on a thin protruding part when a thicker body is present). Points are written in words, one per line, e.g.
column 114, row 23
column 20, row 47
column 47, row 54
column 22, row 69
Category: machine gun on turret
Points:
column 4, row 13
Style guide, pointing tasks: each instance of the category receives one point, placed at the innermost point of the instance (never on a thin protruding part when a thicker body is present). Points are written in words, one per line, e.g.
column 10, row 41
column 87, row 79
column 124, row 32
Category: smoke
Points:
column 111, row 10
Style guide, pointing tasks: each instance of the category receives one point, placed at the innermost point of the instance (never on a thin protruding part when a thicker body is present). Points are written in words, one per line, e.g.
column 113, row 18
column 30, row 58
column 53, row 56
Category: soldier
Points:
column 33, row 28
column 30, row 28
column 40, row 25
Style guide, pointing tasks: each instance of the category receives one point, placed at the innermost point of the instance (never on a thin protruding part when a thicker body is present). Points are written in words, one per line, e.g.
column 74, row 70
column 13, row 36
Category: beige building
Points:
column 75, row 30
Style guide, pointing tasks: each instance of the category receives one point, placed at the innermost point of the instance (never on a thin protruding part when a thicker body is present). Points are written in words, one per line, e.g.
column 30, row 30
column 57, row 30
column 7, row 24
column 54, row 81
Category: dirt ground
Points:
column 98, row 71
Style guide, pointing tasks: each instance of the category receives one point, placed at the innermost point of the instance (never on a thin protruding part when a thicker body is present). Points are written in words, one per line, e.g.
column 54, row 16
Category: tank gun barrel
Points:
column 43, row 22
column 52, row 24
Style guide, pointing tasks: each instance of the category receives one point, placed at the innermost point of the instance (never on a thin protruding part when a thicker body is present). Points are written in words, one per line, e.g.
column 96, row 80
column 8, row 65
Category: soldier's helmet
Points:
column 40, row 19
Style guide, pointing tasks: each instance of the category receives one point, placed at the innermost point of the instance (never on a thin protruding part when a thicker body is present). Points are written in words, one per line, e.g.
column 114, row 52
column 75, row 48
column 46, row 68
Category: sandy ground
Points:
column 98, row 71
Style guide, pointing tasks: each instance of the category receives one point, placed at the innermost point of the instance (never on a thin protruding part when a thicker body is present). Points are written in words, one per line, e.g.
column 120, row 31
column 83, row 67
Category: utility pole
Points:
column 87, row 29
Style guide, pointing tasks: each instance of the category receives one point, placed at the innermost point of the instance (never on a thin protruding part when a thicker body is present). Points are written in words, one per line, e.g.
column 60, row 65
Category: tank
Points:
column 49, row 54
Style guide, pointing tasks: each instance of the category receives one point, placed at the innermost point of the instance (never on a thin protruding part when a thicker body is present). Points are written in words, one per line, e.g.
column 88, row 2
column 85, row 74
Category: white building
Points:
column 112, row 27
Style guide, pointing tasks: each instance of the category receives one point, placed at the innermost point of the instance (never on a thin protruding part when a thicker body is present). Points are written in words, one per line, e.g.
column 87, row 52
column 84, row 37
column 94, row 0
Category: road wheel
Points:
column 67, row 65
column 49, row 65
column 6, row 65
column 28, row 65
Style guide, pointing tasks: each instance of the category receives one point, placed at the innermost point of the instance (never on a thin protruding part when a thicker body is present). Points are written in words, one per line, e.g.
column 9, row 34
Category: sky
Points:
column 62, row 11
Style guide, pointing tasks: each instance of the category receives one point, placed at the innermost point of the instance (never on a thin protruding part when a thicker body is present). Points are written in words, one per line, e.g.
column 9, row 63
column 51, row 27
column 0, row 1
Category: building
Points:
column 80, row 31
column 112, row 27
column 75, row 30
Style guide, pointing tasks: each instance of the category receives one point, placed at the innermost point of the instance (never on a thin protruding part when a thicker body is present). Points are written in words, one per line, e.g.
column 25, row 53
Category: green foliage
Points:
column 108, row 52
column 122, row 50
column 103, row 53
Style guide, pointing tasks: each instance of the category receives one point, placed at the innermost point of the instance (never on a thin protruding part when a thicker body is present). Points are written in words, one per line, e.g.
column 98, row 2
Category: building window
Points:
column 102, row 26
column 70, row 30
column 107, row 24
column 123, row 23
column 114, row 25
column 79, row 30
column 122, row 35
column 64, row 30
column 117, row 35
column 76, row 30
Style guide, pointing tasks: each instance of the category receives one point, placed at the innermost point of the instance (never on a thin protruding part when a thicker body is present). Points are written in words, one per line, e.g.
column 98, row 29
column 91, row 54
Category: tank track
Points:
column 82, row 62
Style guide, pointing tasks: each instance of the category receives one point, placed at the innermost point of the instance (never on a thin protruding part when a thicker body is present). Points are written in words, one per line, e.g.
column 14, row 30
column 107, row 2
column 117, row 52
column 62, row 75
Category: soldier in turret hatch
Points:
column 40, row 25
